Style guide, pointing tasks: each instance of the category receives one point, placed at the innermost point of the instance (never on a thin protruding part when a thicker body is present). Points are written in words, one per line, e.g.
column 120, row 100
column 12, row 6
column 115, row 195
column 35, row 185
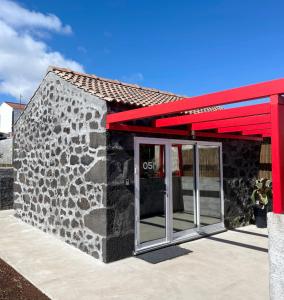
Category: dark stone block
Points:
column 94, row 125
column 75, row 140
column 66, row 130
column 74, row 160
column 17, row 188
column 54, row 183
column 63, row 159
column 117, row 192
column 88, row 116
column 118, row 247
column 66, row 223
column 63, row 180
column 74, row 223
column 18, row 206
column 71, row 203
column 73, row 190
column 17, row 164
column 62, row 232
column 86, row 159
column 78, row 215
column 79, row 181
column 78, row 149
column 57, row 129
column 26, row 198
column 83, row 204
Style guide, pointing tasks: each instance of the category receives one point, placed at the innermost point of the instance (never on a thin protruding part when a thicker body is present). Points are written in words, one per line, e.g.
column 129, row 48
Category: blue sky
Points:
column 186, row 47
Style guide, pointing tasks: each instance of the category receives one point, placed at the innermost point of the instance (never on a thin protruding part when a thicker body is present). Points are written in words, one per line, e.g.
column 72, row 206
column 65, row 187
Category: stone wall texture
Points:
column 276, row 255
column 6, row 188
column 120, row 195
column 240, row 169
column 60, row 164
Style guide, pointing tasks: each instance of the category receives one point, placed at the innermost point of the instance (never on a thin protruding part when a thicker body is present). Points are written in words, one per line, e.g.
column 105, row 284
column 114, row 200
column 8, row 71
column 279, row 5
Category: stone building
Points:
column 76, row 179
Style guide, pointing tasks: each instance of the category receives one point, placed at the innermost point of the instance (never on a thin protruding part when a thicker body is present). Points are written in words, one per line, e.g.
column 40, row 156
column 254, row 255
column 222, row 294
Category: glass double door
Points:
column 178, row 190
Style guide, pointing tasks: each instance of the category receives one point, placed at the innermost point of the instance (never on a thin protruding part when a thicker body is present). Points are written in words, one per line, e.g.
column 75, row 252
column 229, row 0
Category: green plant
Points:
column 262, row 192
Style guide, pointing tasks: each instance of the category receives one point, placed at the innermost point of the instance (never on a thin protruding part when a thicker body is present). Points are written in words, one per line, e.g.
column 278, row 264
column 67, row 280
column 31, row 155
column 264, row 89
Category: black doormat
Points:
column 163, row 254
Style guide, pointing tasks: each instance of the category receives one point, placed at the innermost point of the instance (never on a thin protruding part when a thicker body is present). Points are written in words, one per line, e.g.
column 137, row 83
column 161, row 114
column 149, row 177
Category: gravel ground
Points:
column 13, row 286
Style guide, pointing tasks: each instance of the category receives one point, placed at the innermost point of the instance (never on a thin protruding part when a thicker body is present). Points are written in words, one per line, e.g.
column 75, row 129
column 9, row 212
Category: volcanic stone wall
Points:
column 60, row 164
column 120, row 195
column 241, row 164
column 6, row 188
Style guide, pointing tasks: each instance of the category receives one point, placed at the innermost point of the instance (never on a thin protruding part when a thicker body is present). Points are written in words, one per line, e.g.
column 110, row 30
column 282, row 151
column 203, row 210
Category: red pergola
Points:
column 252, row 122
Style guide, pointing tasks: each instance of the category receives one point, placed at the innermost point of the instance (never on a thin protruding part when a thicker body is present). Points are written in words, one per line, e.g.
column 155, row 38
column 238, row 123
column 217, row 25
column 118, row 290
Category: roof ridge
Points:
column 115, row 81
column 13, row 102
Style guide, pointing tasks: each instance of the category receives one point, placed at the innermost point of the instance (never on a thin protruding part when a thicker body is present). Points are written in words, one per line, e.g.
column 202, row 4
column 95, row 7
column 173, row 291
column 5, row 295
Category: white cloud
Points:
column 23, row 58
column 17, row 16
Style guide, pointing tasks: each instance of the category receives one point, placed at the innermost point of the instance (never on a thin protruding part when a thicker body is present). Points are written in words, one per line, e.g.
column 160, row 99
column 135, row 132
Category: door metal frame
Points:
column 172, row 238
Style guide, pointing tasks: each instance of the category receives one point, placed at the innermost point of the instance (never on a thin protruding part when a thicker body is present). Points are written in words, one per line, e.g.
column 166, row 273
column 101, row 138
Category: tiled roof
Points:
column 116, row 91
column 16, row 105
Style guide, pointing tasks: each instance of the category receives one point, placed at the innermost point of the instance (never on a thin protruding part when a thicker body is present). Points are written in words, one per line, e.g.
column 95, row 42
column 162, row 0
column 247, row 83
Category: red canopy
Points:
column 253, row 122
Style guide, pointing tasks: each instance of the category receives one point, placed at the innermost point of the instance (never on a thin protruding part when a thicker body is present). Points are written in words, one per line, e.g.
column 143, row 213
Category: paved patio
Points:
column 230, row 265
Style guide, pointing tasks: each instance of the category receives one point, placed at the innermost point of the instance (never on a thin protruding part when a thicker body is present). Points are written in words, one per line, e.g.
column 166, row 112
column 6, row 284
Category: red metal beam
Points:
column 277, row 149
column 251, row 110
column 231, row 122
column 254, row 91
column 244, row 127
column 145, row 129
column 227, row 136
column 257, row 132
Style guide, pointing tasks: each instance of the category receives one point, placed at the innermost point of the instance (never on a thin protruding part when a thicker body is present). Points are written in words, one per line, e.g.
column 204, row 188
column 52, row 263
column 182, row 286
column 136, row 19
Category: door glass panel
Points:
column 152, row 193
column 209, row 185
column 183, row 187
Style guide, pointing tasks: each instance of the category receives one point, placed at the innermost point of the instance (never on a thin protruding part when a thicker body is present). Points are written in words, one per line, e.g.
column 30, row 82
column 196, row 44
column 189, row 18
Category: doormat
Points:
column 163, row 254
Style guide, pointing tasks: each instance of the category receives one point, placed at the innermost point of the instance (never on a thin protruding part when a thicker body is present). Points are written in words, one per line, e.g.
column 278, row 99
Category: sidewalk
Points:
column 231, row 265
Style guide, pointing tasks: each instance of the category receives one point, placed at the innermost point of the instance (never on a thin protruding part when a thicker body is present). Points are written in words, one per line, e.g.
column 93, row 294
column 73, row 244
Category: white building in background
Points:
column 9, row 113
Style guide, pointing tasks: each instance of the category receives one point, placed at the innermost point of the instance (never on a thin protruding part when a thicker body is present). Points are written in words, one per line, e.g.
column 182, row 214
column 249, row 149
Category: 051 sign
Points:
column 149, row 165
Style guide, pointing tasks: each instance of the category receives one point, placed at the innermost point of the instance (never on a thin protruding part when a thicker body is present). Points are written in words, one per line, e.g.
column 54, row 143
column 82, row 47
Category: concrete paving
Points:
column 230, row 265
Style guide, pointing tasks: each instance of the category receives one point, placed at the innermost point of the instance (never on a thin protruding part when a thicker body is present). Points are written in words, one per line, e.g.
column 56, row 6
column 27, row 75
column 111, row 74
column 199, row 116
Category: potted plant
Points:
column 261, row 197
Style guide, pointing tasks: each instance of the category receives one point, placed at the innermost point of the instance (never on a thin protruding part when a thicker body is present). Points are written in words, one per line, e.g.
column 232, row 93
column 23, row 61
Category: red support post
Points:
column 277, row 150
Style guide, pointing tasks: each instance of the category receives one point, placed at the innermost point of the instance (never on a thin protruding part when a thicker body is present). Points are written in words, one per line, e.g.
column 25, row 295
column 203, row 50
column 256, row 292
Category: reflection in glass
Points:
column 183, row 187
column 209, row 185
column 152, row 193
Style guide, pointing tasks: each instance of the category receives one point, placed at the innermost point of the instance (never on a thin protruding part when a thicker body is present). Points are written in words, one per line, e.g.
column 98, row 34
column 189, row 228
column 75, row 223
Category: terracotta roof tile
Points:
column 16, row 105
column 116, row 91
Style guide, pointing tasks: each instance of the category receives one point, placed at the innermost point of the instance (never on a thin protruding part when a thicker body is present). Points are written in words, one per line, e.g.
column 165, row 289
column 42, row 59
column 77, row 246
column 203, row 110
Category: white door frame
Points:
column 187, row 234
